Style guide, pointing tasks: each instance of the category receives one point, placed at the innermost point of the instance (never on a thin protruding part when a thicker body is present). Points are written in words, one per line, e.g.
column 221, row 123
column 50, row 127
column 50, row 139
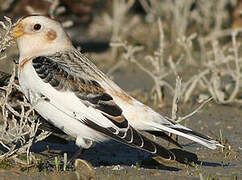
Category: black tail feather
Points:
column 194, row 133
column 133, row 138
column 164, row 136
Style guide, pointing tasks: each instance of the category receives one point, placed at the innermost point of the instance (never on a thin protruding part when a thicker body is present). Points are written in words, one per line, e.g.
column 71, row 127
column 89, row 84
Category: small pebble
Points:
column 117, row 168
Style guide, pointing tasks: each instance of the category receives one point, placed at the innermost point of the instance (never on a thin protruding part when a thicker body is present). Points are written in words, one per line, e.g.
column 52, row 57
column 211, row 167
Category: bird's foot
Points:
column 75, row 156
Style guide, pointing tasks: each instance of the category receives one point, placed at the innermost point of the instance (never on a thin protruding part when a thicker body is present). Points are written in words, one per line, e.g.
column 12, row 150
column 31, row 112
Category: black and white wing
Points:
column 68, row 72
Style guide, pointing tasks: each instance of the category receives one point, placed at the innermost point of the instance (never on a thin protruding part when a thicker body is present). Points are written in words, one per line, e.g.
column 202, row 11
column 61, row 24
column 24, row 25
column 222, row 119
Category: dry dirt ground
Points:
column 113, row 160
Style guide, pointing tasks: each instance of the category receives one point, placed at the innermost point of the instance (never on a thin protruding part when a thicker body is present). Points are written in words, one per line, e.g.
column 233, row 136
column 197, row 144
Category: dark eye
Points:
column 37, row 27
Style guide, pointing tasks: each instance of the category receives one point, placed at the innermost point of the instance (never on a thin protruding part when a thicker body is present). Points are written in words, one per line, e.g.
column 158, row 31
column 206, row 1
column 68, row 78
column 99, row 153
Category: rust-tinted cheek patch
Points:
column 51, row 35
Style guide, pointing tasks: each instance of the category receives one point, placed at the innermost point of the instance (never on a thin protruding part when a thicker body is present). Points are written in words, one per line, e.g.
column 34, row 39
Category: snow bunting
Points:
column 69, row 91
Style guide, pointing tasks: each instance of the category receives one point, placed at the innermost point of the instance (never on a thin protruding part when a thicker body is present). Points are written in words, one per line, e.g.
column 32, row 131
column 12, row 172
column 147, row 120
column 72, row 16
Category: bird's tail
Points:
column 180, row 130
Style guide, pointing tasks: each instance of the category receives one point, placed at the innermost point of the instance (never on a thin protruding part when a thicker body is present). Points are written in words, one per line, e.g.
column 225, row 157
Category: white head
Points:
column 40, row 35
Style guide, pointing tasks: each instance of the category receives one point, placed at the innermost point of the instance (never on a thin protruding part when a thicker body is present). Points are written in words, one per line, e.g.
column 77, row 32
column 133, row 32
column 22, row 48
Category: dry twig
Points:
column 18, row 128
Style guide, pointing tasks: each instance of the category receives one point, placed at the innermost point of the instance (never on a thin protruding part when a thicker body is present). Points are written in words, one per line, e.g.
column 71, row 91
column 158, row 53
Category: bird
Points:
column 70, row 92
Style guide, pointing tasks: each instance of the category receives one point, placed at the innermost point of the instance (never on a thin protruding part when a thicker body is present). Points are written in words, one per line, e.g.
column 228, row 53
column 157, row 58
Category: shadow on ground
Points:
column 112, row 153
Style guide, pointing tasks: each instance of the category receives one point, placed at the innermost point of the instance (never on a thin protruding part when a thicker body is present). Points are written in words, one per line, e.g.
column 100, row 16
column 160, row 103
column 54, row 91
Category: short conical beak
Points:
column 17, row 31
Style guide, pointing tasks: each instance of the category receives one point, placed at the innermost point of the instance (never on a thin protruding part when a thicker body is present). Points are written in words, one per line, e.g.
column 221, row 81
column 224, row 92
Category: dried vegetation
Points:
column 212, row 50
column 18, row 126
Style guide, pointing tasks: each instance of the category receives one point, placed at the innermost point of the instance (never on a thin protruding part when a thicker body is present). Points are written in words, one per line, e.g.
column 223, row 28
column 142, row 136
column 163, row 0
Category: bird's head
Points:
column 40, row 35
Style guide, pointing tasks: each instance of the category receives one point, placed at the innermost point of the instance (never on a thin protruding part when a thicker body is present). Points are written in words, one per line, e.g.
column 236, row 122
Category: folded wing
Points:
column 67, row 73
